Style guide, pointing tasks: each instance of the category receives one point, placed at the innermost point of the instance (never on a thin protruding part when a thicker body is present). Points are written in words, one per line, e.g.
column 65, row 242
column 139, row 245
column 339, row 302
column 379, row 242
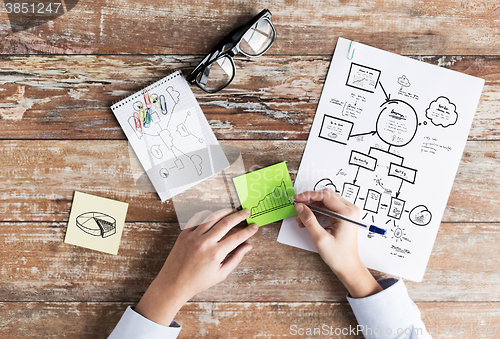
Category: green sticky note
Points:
column 265, row 193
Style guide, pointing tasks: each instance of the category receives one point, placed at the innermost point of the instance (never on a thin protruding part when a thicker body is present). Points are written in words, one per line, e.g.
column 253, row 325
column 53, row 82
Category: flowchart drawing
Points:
column 389, row 133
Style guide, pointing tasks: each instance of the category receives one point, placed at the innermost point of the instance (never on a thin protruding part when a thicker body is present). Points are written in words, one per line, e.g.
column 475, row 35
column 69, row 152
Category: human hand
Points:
column 337, row 244
column 201, row 257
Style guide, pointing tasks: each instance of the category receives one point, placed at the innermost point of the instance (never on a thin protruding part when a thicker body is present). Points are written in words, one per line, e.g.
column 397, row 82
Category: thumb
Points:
column 310, row 222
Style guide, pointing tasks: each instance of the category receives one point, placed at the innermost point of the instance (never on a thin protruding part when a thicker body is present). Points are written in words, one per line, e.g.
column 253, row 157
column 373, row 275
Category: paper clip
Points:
column 147, row 98
column 163, row 104
column 143, row 116
column 350, row 54
column 154, row 99
column 137, row 121
column 147, row 117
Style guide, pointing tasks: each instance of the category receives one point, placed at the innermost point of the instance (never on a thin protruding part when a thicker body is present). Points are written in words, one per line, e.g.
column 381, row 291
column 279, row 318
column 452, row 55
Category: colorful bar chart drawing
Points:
column 273, row 201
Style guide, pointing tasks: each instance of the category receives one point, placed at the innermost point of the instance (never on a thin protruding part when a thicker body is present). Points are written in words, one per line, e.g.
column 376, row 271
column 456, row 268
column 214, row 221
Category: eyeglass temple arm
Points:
column 227, row 43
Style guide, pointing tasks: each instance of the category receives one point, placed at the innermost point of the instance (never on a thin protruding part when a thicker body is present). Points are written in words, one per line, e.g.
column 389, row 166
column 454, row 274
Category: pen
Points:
column 371, row 228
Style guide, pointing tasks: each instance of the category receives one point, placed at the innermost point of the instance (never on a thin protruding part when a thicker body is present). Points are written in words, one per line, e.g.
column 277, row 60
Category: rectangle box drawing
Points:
column 396, row 209
column 350, row 192
column 335, row 129
column 402, row 172
column 363, row 160
column 372, row 201
column 363, row 77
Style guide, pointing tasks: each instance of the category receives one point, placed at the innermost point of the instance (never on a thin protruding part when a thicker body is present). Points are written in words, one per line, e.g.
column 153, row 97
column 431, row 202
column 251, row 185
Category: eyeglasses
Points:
column 217, row 69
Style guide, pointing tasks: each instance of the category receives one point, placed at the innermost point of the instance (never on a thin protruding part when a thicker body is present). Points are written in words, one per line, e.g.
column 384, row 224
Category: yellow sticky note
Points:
column 96, row 223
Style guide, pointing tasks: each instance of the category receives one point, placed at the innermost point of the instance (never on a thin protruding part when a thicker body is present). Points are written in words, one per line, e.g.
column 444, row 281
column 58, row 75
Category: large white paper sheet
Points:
column 388, row 134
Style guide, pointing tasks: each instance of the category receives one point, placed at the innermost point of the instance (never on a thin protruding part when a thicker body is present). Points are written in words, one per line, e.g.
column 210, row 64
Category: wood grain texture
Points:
column 40, row 177
column 464, row 266
column 303, row 27
column 59, row 135
column 68, row 97
column 235, row 320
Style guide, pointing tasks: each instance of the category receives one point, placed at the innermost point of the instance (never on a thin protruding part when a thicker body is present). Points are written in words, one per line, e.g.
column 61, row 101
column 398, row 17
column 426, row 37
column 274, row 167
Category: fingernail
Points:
column 255, row 226
column 247, row 211
column 299, row 208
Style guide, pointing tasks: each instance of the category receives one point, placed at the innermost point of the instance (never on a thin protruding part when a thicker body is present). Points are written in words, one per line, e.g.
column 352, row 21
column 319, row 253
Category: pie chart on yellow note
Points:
column 96, row 224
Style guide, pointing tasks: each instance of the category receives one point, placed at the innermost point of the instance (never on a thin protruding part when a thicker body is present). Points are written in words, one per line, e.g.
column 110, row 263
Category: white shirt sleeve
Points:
column 389, row 314
column 132, row 325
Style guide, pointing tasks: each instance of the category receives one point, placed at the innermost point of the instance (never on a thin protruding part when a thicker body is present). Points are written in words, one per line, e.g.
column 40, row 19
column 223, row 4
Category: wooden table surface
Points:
column 58, row 135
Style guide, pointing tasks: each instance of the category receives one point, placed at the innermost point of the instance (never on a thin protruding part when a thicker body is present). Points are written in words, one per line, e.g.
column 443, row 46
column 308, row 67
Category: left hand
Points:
column 201, row 257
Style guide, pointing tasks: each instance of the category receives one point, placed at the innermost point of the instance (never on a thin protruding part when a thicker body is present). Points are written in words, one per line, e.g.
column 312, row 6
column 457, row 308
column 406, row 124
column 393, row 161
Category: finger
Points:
column 334, row 195
column 212, row 219
column 233, row 260
column 197, row 219
column 236, row 239
column 329, row 198
column 345, row 201
column 224, row 225
column 321, row 195
column 310, row 222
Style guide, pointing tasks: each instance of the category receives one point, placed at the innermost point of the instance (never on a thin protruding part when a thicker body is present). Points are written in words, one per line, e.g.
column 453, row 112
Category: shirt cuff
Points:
column 387, row 313
column 133, row 325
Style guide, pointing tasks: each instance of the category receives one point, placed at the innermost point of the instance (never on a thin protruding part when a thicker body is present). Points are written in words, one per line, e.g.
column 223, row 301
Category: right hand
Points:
column 337, row 244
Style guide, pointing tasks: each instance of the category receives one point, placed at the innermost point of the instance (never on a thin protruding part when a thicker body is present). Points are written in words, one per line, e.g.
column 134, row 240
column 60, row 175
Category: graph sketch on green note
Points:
column 265, row 193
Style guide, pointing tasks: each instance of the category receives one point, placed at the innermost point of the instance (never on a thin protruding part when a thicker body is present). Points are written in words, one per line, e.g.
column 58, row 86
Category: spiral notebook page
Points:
column 170, row 135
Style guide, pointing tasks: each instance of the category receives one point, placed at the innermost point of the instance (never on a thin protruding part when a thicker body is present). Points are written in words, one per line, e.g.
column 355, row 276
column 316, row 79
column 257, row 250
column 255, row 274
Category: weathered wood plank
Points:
column 39, row 178
column 271, row 97
column 236, row 320
column 193, row 27
column 38, row 266
column 199, row 320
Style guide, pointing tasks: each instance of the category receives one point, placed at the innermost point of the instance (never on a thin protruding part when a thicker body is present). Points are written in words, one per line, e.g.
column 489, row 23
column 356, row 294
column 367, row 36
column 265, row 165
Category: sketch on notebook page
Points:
column 156, row 117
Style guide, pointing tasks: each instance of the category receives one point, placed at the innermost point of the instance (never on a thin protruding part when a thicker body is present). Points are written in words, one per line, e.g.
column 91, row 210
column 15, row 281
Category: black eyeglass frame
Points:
column 229, row 46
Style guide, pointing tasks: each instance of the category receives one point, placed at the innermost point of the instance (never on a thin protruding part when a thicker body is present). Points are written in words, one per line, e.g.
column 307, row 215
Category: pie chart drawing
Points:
column 96, row 224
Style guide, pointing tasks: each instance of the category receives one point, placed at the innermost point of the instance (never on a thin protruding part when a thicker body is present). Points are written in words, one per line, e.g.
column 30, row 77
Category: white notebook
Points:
column 170, row 135
column 388, row 135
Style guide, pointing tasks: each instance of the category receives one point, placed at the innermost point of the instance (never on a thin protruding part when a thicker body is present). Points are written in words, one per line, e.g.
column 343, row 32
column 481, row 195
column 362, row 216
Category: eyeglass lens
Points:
column 216, row 75
column 258, row 38
column 219, row 73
